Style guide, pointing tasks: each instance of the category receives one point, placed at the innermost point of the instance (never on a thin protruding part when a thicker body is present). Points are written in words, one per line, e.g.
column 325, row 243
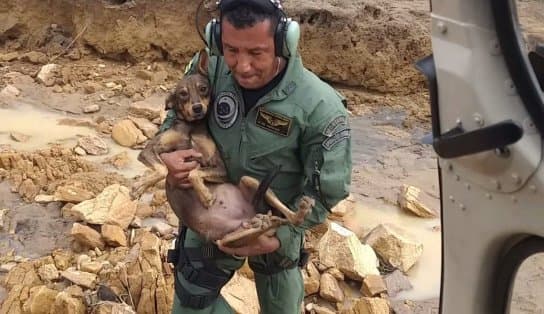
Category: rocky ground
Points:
column 82, row 89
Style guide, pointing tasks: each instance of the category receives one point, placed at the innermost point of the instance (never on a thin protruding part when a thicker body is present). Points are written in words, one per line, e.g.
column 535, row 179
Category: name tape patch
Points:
column 340, row 121
column 336, row 138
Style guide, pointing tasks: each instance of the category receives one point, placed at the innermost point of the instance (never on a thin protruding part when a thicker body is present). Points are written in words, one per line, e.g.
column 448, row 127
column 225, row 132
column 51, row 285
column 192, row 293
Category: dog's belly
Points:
column 224, row 216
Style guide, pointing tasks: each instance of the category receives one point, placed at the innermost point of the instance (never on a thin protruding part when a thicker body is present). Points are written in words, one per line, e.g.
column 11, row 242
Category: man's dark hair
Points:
column 248, row 15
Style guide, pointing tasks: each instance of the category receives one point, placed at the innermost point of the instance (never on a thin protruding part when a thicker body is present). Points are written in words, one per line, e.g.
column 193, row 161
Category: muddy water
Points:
column 42, row 127
column 385, row 157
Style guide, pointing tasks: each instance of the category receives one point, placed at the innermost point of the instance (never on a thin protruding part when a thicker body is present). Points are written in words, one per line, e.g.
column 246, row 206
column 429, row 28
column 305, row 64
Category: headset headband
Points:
column 269, row 6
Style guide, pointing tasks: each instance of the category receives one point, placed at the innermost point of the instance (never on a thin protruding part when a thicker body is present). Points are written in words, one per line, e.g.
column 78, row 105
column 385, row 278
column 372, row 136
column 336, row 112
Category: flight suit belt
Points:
column 283, row 264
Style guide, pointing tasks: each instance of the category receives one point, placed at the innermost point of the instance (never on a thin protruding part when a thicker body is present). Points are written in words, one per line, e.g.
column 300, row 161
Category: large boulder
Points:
column 126, row 133
column 414, row 201
column 41, row 300
column 87, row 236
column 112, row 206
column 340, row 248
column 398, row 248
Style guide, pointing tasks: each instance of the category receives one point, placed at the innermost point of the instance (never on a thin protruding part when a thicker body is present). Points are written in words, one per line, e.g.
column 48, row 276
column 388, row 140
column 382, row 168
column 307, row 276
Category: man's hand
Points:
column 179, row 164
column 262, row 245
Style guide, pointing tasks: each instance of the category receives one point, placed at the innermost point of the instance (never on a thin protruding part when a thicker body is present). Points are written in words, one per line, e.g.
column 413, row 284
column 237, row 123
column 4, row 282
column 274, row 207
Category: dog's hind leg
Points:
column 250, row 186
column 197, row 178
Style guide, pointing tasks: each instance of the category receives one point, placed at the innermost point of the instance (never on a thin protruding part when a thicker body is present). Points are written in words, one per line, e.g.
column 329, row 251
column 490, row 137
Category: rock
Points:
column 19, row 137
column 144, row 75
column 58, row 89
column 113, row 307
column 7, row 267
column 112, row 206
column 47, row 74
column 63, row 259
column 340, row 248
column 318, row 309
column 119, row 161
column 241, row 294
column 3, row 224
column 7, row 57
column 114, row 235
column 87, row 236
column 91, row 87
column 373, row 285
column 336, row 273
column 147, row 127
column 42, row 198
column 136, row 222
column 395, row 246
column 311, row 279
column 34, row 57
column 80, row 151
column 125, row 133
column 80, row 278
column 92, row 267
column 72, row 194
column 144, row 210
column 28, row 190
column 412, row 200
column 147, row 110
column 91, row 108
column 10, row 91
column 67, row 304
column 246, row 271
column 22, row 274
column 157, row 225
column 93, row 145
column 368, row 306
column 330, row 289
column 82, row 259
column 396, row 282
column 342, row 208
column 40, row 301
column 48, row 272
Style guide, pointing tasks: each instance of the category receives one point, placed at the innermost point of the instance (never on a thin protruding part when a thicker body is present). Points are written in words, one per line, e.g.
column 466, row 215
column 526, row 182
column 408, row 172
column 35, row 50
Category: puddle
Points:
column 425, row 274
column 43, row 129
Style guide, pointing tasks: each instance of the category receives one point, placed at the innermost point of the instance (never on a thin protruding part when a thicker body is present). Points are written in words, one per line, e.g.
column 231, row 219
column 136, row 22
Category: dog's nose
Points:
column 197, row 108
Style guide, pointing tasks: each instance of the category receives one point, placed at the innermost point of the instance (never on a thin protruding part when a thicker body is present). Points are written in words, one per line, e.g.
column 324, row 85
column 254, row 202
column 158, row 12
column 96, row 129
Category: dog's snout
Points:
column 197, row 108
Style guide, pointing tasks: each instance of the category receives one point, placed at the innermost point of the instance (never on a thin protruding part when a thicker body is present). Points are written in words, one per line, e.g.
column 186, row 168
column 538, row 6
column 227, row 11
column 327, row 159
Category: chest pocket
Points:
column 270, row 147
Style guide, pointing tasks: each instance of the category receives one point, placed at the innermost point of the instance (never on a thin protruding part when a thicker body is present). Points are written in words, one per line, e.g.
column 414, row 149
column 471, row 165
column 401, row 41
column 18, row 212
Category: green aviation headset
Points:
column 286, row 36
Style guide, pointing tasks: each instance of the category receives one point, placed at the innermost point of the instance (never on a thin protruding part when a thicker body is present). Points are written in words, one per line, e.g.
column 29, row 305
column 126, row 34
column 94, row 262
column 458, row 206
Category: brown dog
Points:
column 220, row 211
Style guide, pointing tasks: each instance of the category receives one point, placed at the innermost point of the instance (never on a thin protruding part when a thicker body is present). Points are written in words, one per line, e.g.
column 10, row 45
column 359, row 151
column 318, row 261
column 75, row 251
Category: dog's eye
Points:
column 203, row 89
column 183, row 94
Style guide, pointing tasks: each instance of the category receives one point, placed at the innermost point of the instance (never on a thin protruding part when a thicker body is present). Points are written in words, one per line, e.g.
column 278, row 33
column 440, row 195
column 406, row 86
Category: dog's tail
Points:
column 258, row 200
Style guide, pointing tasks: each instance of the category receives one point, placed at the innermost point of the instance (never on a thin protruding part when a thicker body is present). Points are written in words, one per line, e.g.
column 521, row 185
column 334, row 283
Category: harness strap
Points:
column 187, row 298
column 209, row 276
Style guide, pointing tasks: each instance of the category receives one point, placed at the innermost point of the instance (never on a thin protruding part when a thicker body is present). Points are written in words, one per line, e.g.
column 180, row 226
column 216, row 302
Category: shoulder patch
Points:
column 226, row 109
column 273, row 122
column 336, row 138
column 335, row 123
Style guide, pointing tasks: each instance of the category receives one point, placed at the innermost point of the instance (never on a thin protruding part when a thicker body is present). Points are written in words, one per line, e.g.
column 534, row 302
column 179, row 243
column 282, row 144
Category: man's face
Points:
column 249, row 53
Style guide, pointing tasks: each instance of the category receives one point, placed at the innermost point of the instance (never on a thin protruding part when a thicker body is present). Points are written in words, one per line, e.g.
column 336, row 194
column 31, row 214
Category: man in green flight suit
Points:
column 269, row 113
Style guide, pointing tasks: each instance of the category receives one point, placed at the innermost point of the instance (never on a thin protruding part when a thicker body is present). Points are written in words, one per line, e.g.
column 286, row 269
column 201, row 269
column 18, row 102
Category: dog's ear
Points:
column 203, row 62
column 169, row 103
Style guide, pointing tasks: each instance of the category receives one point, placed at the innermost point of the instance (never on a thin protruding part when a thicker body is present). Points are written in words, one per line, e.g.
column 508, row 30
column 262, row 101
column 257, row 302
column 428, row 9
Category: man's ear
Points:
column 169, row 102
column 203, row 62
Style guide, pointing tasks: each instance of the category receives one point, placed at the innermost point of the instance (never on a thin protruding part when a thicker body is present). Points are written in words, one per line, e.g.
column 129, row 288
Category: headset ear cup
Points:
column 279, row 38
column 291, row 38
column 217, row 37
column 211, row 35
